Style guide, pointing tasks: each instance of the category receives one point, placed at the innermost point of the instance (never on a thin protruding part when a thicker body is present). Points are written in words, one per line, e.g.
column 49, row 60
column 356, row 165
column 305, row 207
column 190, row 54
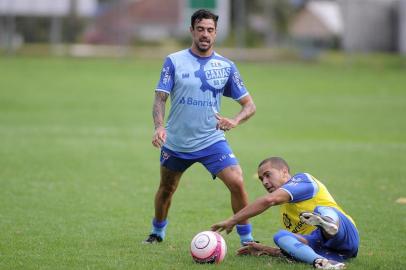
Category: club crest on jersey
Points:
column 214, row 75
column 286, row 221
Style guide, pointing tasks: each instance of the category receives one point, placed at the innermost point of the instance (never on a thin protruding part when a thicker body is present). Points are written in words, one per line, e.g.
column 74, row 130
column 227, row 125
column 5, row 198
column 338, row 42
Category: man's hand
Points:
column 225, row 123
column 159, row 137
column 226, row 225
column 257, row 249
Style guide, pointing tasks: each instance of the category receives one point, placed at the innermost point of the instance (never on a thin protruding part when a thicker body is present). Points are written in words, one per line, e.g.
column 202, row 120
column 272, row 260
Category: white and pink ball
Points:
column 208, row 247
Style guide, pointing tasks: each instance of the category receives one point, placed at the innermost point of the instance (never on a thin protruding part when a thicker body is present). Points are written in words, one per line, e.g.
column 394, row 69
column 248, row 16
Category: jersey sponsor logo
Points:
column 296, row 179
column 224, row 157
column 166, row 76
column 237, row 80
column 197, row 102
column 214, row 75
column 185, row 75
column 294, row 182
column 298, row 226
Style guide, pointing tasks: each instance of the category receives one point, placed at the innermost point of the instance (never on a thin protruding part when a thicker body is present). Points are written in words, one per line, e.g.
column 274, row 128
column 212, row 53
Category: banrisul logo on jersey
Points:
column 214, row 75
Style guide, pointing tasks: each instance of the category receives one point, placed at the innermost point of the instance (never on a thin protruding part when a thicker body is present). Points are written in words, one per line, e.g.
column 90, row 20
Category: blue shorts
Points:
column 342, row 246
column 215, row 158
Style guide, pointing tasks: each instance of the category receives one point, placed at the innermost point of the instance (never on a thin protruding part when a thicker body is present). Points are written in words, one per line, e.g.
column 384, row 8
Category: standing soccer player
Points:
column 195, row 79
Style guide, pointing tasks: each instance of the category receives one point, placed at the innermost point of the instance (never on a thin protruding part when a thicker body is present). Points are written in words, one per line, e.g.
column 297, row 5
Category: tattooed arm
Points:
column 158, row 114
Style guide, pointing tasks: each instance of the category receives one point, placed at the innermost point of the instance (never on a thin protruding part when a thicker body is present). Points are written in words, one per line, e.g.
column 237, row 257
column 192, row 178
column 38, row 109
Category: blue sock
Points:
column 159, row 227
column 290, row 244
column 244, row 231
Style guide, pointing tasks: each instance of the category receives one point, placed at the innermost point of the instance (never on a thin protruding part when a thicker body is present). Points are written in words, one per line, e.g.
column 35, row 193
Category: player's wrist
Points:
column 235, row 121
column 233, row 221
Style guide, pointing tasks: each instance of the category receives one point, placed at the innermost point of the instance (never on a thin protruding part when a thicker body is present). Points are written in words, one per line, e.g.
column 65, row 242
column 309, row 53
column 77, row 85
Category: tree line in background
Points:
column 277, row 14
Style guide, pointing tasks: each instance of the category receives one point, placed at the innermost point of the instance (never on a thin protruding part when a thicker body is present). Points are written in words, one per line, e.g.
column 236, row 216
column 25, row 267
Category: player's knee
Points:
column 237, row 186
column 238, row 176
column 167, row 190
column 233, row 179
column 238, row 173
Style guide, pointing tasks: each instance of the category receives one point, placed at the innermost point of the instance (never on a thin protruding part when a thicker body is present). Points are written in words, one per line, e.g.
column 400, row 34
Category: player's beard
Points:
column 205, row 48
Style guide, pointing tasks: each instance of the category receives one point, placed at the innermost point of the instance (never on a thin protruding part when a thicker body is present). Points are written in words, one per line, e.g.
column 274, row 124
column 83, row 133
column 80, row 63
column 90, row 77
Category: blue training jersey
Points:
column 195, row 85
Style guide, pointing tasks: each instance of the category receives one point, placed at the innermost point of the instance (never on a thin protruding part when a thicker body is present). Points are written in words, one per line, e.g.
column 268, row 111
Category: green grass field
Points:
column 78, row 173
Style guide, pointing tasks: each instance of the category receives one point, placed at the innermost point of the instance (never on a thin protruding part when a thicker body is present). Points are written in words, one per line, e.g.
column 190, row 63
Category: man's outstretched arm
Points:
column 261, row 204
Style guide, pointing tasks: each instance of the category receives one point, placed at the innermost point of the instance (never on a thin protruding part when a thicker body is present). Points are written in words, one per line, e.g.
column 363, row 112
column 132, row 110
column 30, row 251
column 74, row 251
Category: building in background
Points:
column 402, row 27
column 53, row 11
column 370, row 25
column 356, row 26
column 318, row 23
column 124, row 22
column 48, row 8
column 351, row 25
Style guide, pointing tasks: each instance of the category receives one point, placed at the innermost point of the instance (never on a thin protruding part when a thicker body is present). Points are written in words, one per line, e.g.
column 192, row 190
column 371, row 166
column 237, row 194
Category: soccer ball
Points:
column 208, row 247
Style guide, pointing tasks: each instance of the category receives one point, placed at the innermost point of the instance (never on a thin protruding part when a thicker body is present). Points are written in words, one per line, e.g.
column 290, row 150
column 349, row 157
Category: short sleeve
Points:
column 166, row 81
column 301, row 187
column 235, row 87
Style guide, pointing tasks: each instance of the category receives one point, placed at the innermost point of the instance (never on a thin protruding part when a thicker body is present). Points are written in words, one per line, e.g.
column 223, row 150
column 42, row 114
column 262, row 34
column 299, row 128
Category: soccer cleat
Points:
column 153, row 239
column 243, row 244
column 316, row 219
column 322, row 263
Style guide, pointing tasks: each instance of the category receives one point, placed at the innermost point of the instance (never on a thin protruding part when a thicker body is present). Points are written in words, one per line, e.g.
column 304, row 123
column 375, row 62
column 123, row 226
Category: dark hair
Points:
column 203, row 14
column 277, row 163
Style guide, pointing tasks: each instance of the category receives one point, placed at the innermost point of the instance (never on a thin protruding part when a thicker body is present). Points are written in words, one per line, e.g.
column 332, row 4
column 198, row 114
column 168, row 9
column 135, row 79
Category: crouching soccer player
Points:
column 317, row 231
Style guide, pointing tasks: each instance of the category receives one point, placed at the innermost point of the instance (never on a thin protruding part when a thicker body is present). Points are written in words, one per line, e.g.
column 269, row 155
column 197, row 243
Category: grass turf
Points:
column 78, row 172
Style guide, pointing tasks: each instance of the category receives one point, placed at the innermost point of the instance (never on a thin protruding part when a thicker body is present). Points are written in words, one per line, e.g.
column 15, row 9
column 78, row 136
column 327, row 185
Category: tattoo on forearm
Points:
column 158, row 109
